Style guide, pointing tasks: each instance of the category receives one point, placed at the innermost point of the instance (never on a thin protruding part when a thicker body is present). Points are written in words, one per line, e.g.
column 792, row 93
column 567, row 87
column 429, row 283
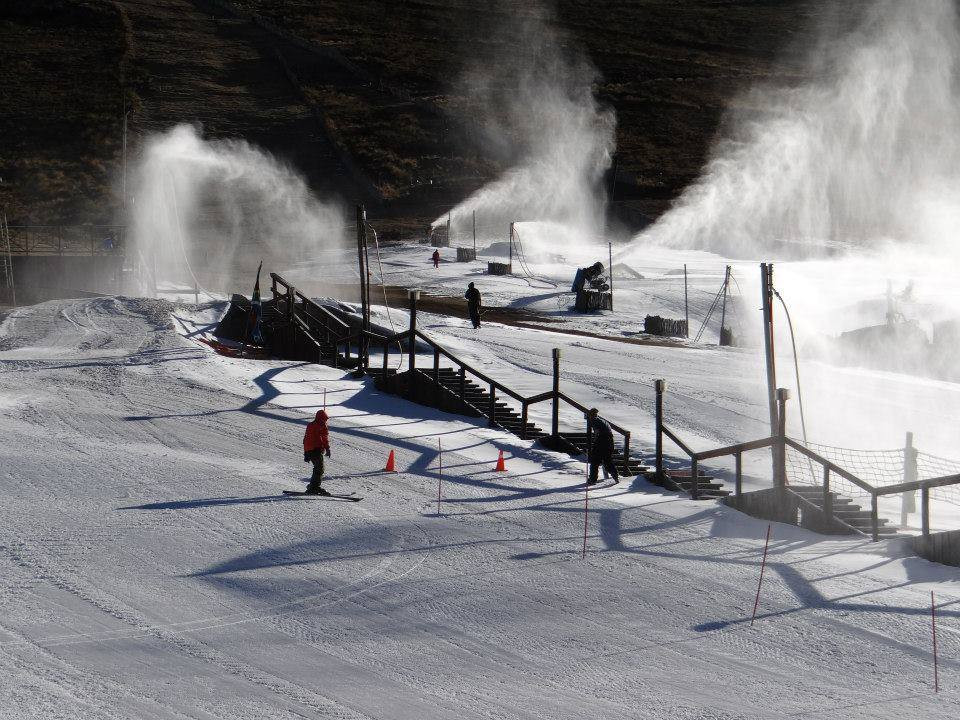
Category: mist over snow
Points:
column 214, row 208
column 852, row 176
column 868, row 150
column 543, row 118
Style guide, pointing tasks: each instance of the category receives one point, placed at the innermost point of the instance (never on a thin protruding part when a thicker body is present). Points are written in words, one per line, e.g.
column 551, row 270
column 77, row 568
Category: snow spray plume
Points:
column 541, row 114
column 867, row 150
column 209, row 211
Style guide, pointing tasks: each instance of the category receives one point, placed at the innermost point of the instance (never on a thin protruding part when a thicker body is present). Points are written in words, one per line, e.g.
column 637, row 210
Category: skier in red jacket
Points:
column 436, row 258
column 316, row 443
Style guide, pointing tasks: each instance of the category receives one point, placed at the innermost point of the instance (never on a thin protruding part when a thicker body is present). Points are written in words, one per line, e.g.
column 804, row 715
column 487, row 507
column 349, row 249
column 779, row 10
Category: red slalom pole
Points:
column 933, row 625
column 440, row 475
column 763, row 566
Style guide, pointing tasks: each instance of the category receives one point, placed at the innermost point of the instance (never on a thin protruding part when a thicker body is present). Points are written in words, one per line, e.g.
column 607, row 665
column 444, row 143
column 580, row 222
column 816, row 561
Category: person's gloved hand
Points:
column 306, row 457
column 328, row 452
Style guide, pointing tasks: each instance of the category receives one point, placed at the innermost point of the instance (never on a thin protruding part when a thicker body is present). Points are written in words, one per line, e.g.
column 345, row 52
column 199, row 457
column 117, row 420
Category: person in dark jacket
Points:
column 473, row 305
column 436, row 258
column 316, row 444
column 601, row 448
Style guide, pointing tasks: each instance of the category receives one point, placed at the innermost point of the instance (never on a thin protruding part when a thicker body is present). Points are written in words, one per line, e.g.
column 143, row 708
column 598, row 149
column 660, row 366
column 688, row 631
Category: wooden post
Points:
column 780, row 477
column 626, row 453
column 694, row 479
column 523, row 421
column 827, row 496
column 386, row 357
column 439, row 474
column 413, row 296
column 474, row 234
column 661, row 386
column 493, row 404
column 908, row 502
column 555, row 420
column 436, row 376
column 738, row 457
column 589, row 429
column 925, row 510
column 510, row 264
column 874, row 519
column 463, row 382
column 686, row 302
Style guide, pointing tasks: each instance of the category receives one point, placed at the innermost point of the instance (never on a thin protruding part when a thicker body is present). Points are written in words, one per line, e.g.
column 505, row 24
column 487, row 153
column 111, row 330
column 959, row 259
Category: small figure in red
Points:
column 436, row 258
column 316, row 444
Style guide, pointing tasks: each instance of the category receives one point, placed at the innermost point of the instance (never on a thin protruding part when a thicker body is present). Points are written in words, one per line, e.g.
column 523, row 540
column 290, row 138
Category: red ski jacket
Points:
column 316, row 437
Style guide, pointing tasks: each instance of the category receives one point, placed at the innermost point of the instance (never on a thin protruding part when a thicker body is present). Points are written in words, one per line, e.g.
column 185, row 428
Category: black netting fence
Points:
column 878, row 468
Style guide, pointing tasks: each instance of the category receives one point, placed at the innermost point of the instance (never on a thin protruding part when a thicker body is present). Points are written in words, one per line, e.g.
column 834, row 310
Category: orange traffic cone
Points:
column 501, row 467
column 390, row 467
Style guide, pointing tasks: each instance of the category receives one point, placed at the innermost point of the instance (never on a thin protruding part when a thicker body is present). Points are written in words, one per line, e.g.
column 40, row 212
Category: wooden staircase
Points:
column 506, row 418
column 479, row 399
column 708, row 488
column 844, row 510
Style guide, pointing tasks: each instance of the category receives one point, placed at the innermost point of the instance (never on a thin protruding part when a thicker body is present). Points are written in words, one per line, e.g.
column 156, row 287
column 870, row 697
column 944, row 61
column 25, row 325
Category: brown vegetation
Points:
column 372, row 102
column 62, row 79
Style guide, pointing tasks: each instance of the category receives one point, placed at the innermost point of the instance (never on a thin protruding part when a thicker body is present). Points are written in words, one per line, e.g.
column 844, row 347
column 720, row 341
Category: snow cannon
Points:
column 592, row 288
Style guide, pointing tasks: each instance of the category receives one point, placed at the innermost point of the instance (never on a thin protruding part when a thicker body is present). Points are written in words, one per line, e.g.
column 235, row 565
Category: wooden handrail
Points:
column 733, row 449
column 381, row 339
column 306, row 331
column 476, row 373
column 585, row 410
column 918, row 485
column 680, row 443
column 539, row 398
column 279, row 280
column 327, row 315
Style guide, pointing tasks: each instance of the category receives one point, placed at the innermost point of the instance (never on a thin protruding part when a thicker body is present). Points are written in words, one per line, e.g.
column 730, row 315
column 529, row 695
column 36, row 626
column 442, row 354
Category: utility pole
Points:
column 723, row 309
column 686, row 303
column 361, row 262
column 474, row 234
column 510, row 264
column 766, row 291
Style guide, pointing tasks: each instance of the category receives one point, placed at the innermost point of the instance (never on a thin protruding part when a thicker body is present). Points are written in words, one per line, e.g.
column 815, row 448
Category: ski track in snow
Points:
column 150, row 568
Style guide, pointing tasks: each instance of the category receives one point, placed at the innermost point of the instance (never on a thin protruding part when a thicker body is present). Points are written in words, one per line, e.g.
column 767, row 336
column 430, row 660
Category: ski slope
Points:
column 150, row 568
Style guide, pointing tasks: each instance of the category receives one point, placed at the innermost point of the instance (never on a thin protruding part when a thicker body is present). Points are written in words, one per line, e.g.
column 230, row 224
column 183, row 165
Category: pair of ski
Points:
column 348, row 497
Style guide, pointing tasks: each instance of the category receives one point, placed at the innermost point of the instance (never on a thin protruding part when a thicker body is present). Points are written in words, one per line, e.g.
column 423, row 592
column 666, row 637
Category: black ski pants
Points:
column 474, row 315
column 602, row 454
column 316, row 457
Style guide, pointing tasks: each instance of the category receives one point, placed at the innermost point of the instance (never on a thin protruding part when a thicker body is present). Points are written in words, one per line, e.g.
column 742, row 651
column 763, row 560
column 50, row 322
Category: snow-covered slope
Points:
column 149, row 567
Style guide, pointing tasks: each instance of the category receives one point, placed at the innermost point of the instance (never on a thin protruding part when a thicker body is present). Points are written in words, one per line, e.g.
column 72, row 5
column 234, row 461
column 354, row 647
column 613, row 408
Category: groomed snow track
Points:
column 150, row 569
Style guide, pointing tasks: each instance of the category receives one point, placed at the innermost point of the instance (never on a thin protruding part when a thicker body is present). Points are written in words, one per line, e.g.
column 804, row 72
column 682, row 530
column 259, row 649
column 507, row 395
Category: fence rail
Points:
column 829, row 469
column 67, row 239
